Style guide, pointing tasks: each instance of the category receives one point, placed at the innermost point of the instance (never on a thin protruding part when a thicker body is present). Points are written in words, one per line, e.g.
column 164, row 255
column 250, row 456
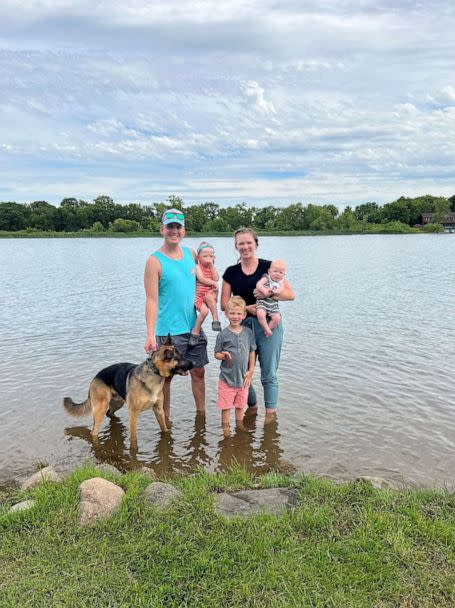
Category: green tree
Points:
column 433, row 227
column 237, row 216
column 98, row 227
column 396, row 211
column 121, row 225
column 43, row 216
column 293, row 217
column 265, row 218
column 14, row 216
column 198, row 216
column 369, row 213
column 347, row 220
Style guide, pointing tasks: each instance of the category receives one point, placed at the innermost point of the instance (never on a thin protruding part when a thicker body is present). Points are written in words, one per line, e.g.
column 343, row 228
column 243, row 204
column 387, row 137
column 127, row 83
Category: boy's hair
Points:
column 235, row 301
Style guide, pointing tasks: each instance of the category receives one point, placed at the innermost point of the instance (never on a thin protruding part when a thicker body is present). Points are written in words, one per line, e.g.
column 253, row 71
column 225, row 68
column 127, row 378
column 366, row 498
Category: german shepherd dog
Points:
column 141, row 386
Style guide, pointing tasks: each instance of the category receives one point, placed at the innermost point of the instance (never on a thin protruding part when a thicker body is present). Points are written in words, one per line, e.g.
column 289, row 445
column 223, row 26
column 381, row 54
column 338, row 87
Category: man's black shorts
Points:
column 197, row 354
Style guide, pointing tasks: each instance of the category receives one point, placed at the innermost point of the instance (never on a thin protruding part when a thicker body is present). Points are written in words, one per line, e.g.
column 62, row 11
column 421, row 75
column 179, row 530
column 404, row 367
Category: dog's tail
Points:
column 77, row 409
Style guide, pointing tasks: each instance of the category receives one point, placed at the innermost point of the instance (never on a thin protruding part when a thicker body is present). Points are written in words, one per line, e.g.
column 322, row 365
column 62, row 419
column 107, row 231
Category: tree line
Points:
column 103, row 214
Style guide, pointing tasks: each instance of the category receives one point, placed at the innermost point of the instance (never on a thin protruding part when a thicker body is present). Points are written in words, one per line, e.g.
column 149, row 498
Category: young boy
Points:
column 206, row 291
column 235, row 347
column 266, row 307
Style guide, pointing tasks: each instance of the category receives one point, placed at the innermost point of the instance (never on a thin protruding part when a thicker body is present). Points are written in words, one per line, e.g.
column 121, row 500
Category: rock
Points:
column 377, row 482
column 46, row 474
column 161, row 495
column 105, row 467
column 99, row 498
column 146, row 471
column 22, row 506
column 249, row 502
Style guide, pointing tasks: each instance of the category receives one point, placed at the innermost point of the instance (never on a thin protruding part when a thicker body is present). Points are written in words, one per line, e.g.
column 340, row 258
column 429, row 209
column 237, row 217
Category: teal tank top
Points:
column 176, row 293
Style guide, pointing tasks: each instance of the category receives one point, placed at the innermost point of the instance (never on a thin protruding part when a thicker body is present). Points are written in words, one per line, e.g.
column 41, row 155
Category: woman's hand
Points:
column 251, row 309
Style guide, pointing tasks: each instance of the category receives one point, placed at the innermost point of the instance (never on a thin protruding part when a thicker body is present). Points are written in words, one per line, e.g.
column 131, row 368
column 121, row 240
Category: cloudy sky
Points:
column 266, row 102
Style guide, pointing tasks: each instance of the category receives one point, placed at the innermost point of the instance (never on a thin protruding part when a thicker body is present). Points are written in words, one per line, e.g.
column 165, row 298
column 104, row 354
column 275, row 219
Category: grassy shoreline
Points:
column 347, row 545
column 114, row 235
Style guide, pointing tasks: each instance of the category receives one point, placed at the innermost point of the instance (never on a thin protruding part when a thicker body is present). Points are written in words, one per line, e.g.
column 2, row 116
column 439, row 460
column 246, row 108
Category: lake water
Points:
column 366, row 379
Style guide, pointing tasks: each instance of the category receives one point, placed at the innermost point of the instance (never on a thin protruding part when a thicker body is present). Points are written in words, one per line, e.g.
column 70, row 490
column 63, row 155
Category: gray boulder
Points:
column 250, row 502
column 161, row 495
column 377, row 482
column 105, row 467
column 99, row 498
column 46, row 474
column 22, row 506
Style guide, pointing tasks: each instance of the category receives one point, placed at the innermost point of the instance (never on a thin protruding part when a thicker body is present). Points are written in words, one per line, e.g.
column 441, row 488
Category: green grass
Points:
column 343, row 546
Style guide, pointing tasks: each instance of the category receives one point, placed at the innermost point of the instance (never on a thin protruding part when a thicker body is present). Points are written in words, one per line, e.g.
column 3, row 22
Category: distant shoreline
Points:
column 114, row 235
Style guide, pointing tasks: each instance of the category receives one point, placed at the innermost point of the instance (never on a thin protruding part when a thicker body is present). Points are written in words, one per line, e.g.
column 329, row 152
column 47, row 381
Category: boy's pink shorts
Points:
column 229, row 396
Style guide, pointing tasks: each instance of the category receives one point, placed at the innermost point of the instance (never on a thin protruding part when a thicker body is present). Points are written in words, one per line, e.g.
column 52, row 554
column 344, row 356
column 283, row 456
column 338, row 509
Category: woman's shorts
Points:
column 231, row 396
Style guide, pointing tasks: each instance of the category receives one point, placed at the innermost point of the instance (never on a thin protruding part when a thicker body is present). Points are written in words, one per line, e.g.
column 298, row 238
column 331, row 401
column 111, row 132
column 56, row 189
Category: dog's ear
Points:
column 169, row 340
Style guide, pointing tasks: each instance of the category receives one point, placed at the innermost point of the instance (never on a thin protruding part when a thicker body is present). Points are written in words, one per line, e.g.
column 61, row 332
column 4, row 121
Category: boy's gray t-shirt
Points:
column 239, row 347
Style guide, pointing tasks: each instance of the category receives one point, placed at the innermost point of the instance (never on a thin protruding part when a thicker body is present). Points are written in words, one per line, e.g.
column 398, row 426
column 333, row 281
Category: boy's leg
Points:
column 225, row 402
column 275, row 320
column 225, row 417
column 240, row 403
column 262, row 320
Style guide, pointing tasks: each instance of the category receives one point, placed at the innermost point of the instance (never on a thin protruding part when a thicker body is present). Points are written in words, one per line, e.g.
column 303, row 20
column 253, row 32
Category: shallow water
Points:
column 365, row 376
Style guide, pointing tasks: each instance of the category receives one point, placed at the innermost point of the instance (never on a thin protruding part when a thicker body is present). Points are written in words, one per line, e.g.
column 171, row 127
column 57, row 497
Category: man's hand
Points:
column 150, row 344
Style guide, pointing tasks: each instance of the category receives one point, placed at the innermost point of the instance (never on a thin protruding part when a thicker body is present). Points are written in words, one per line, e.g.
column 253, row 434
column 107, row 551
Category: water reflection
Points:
column 254, row 447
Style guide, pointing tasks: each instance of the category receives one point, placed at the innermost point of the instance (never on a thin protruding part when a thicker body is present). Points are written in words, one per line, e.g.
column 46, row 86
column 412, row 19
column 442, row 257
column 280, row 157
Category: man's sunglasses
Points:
column 170, row 215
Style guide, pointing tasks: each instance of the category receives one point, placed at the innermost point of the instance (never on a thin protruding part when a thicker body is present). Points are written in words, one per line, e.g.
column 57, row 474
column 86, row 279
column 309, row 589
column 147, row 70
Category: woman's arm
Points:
column 286, row 294
column 226, row 292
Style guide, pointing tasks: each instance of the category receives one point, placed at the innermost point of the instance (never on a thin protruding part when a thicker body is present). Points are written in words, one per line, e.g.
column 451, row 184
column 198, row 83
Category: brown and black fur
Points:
column 140, row 386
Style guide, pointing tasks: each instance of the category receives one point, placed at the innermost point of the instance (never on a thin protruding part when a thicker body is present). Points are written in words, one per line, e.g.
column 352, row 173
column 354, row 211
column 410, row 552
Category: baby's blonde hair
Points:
column 235, row 301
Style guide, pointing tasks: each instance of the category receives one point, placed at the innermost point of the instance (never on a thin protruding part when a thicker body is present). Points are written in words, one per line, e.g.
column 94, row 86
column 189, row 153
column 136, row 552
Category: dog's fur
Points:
column 141, row 386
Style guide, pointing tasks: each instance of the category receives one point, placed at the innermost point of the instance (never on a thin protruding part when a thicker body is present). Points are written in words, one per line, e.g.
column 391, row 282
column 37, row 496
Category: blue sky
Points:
column 263, row 102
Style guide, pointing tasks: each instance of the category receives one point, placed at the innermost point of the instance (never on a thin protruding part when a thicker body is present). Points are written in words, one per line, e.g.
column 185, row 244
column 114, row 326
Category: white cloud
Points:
column 332, row 100
column 256, row 92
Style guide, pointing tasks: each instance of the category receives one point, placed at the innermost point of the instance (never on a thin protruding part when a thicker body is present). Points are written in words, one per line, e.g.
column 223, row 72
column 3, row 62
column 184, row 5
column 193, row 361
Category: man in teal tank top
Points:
column 170, row 288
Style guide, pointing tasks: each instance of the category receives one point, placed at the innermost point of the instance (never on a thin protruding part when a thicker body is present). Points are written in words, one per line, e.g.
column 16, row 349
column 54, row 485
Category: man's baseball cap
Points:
column 173, row 216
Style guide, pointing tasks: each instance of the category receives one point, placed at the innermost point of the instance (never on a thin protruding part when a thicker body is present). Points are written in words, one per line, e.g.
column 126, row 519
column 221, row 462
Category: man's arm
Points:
column 152, row 276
